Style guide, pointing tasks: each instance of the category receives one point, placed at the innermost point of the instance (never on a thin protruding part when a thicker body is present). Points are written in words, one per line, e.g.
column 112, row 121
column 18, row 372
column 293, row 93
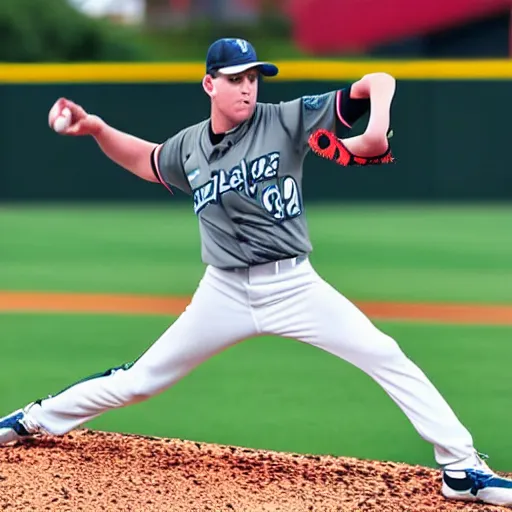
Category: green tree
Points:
column 53, row 31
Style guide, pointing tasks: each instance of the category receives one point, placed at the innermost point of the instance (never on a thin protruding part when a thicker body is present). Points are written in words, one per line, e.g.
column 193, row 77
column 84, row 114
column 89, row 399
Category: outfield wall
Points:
column 450, row 120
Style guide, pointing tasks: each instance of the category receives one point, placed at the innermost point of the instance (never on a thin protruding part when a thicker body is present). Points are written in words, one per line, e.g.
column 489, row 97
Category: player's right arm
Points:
column 130, row 152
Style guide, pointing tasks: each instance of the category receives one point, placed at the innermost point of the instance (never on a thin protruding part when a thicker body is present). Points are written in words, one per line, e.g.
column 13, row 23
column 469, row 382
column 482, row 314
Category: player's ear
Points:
column 209, row 85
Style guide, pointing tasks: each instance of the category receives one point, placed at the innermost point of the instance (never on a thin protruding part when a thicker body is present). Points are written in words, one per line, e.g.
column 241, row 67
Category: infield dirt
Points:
column 15, row 301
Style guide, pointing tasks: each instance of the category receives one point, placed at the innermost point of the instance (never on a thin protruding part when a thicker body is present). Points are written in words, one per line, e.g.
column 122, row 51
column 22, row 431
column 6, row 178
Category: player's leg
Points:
column 319, row 315
column 217, row 317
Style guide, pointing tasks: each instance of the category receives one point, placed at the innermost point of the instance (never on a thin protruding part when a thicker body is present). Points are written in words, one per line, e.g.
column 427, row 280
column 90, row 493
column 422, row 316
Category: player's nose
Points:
column 246, row 86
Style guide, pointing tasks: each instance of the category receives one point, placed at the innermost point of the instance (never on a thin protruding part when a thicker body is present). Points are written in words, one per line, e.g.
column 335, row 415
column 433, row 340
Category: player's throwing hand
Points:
column 68, row 118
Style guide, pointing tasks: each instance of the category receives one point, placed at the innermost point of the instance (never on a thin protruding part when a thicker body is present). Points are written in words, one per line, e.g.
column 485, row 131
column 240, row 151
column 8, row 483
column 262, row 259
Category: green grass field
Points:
column 267, row 393
column 390, row 253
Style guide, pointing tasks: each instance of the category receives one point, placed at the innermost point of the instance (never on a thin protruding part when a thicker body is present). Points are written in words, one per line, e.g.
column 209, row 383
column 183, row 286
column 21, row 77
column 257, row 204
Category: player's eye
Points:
column 234, row 79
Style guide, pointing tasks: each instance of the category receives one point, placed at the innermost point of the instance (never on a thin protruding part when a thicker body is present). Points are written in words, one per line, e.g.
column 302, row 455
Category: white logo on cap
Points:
column 242, row 45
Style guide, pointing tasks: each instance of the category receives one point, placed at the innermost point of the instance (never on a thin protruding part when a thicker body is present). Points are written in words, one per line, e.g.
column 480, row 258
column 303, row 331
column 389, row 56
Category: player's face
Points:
column 237, row 94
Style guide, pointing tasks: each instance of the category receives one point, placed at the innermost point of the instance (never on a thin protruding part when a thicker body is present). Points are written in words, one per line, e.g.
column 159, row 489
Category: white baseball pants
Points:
column 288, row 299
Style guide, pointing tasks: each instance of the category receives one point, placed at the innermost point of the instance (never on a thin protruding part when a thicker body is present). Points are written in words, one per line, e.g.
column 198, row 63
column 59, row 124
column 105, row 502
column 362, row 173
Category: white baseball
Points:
column 63, row 121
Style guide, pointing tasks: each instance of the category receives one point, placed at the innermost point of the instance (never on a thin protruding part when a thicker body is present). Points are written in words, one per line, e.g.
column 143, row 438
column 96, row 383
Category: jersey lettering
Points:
column 249, row 185
column 224, row 182
column 236, row 180
column 282, row 202
column 243, row 178
column 272, row 202
column 204, row 196
column 291, row 197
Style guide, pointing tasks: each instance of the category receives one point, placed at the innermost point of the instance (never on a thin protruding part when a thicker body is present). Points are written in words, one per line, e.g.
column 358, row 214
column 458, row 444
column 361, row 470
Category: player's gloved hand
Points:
column 326, row 145
column 80, row 122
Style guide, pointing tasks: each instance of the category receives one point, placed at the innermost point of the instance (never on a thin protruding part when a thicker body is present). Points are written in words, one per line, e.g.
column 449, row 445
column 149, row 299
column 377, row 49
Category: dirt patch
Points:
column 169, row 305
column 91, row 303
column 91, row 471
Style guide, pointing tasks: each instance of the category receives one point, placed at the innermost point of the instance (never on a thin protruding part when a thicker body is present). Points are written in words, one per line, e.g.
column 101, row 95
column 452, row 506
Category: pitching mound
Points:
column 97, row 471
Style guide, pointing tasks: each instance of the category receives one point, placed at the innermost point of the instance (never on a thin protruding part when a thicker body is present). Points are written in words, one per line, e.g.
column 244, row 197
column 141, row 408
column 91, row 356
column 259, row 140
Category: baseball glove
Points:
column 326, row 145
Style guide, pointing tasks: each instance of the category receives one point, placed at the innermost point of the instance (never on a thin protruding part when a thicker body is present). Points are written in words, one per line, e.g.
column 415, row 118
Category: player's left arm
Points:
column 379, row 89
column 323, row 122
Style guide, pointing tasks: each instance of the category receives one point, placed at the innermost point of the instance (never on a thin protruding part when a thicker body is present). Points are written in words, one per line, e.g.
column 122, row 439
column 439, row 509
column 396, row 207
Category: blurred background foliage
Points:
column 55, row 31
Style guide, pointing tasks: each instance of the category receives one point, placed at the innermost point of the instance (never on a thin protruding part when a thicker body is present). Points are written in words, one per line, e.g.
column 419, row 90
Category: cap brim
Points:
column 266, row 68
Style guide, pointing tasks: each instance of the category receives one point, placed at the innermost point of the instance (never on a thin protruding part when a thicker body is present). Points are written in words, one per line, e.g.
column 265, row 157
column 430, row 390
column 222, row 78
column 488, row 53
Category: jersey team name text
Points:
column 281, row 200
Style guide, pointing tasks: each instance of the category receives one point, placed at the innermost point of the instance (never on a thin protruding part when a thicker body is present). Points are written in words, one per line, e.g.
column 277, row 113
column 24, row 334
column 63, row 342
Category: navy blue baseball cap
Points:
column 230, row 56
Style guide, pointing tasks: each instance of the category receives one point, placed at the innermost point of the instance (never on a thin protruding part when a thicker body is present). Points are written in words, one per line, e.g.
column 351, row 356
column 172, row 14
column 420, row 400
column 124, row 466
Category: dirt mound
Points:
column 96, row 471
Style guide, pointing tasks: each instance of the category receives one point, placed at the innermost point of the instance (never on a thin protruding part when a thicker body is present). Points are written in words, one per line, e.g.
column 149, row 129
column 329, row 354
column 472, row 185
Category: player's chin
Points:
column 243, row 112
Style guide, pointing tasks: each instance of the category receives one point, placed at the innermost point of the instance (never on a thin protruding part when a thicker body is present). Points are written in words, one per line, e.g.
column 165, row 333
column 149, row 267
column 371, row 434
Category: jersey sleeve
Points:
column 334, row 111
column 167, row 163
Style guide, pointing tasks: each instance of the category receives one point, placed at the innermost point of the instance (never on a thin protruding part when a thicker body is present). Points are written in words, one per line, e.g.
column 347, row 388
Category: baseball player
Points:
column 243, row 168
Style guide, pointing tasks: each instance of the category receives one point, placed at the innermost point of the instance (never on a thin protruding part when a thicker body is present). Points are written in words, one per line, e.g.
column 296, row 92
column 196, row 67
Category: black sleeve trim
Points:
column 154, row 165
column 349, row 110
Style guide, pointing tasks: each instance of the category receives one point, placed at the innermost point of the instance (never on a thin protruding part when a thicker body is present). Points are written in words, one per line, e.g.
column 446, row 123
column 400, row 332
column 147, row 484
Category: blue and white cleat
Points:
column 16, row 427
column 478, row 483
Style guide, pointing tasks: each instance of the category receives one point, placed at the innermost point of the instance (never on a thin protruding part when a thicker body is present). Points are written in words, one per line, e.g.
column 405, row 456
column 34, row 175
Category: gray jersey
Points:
column 247, row 189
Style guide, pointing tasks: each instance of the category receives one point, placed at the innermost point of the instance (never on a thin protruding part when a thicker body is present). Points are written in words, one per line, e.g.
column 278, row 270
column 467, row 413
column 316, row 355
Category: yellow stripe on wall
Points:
column 407, row 70
column 289, row 71
column 104, row 72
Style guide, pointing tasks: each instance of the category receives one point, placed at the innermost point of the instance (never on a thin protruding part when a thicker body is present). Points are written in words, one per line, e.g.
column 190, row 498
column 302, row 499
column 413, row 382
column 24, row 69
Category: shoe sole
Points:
column 8, row 437
column 450, row 494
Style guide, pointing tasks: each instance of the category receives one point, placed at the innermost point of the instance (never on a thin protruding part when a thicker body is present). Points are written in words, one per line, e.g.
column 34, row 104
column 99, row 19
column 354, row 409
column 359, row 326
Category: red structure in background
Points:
column 325, row 26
